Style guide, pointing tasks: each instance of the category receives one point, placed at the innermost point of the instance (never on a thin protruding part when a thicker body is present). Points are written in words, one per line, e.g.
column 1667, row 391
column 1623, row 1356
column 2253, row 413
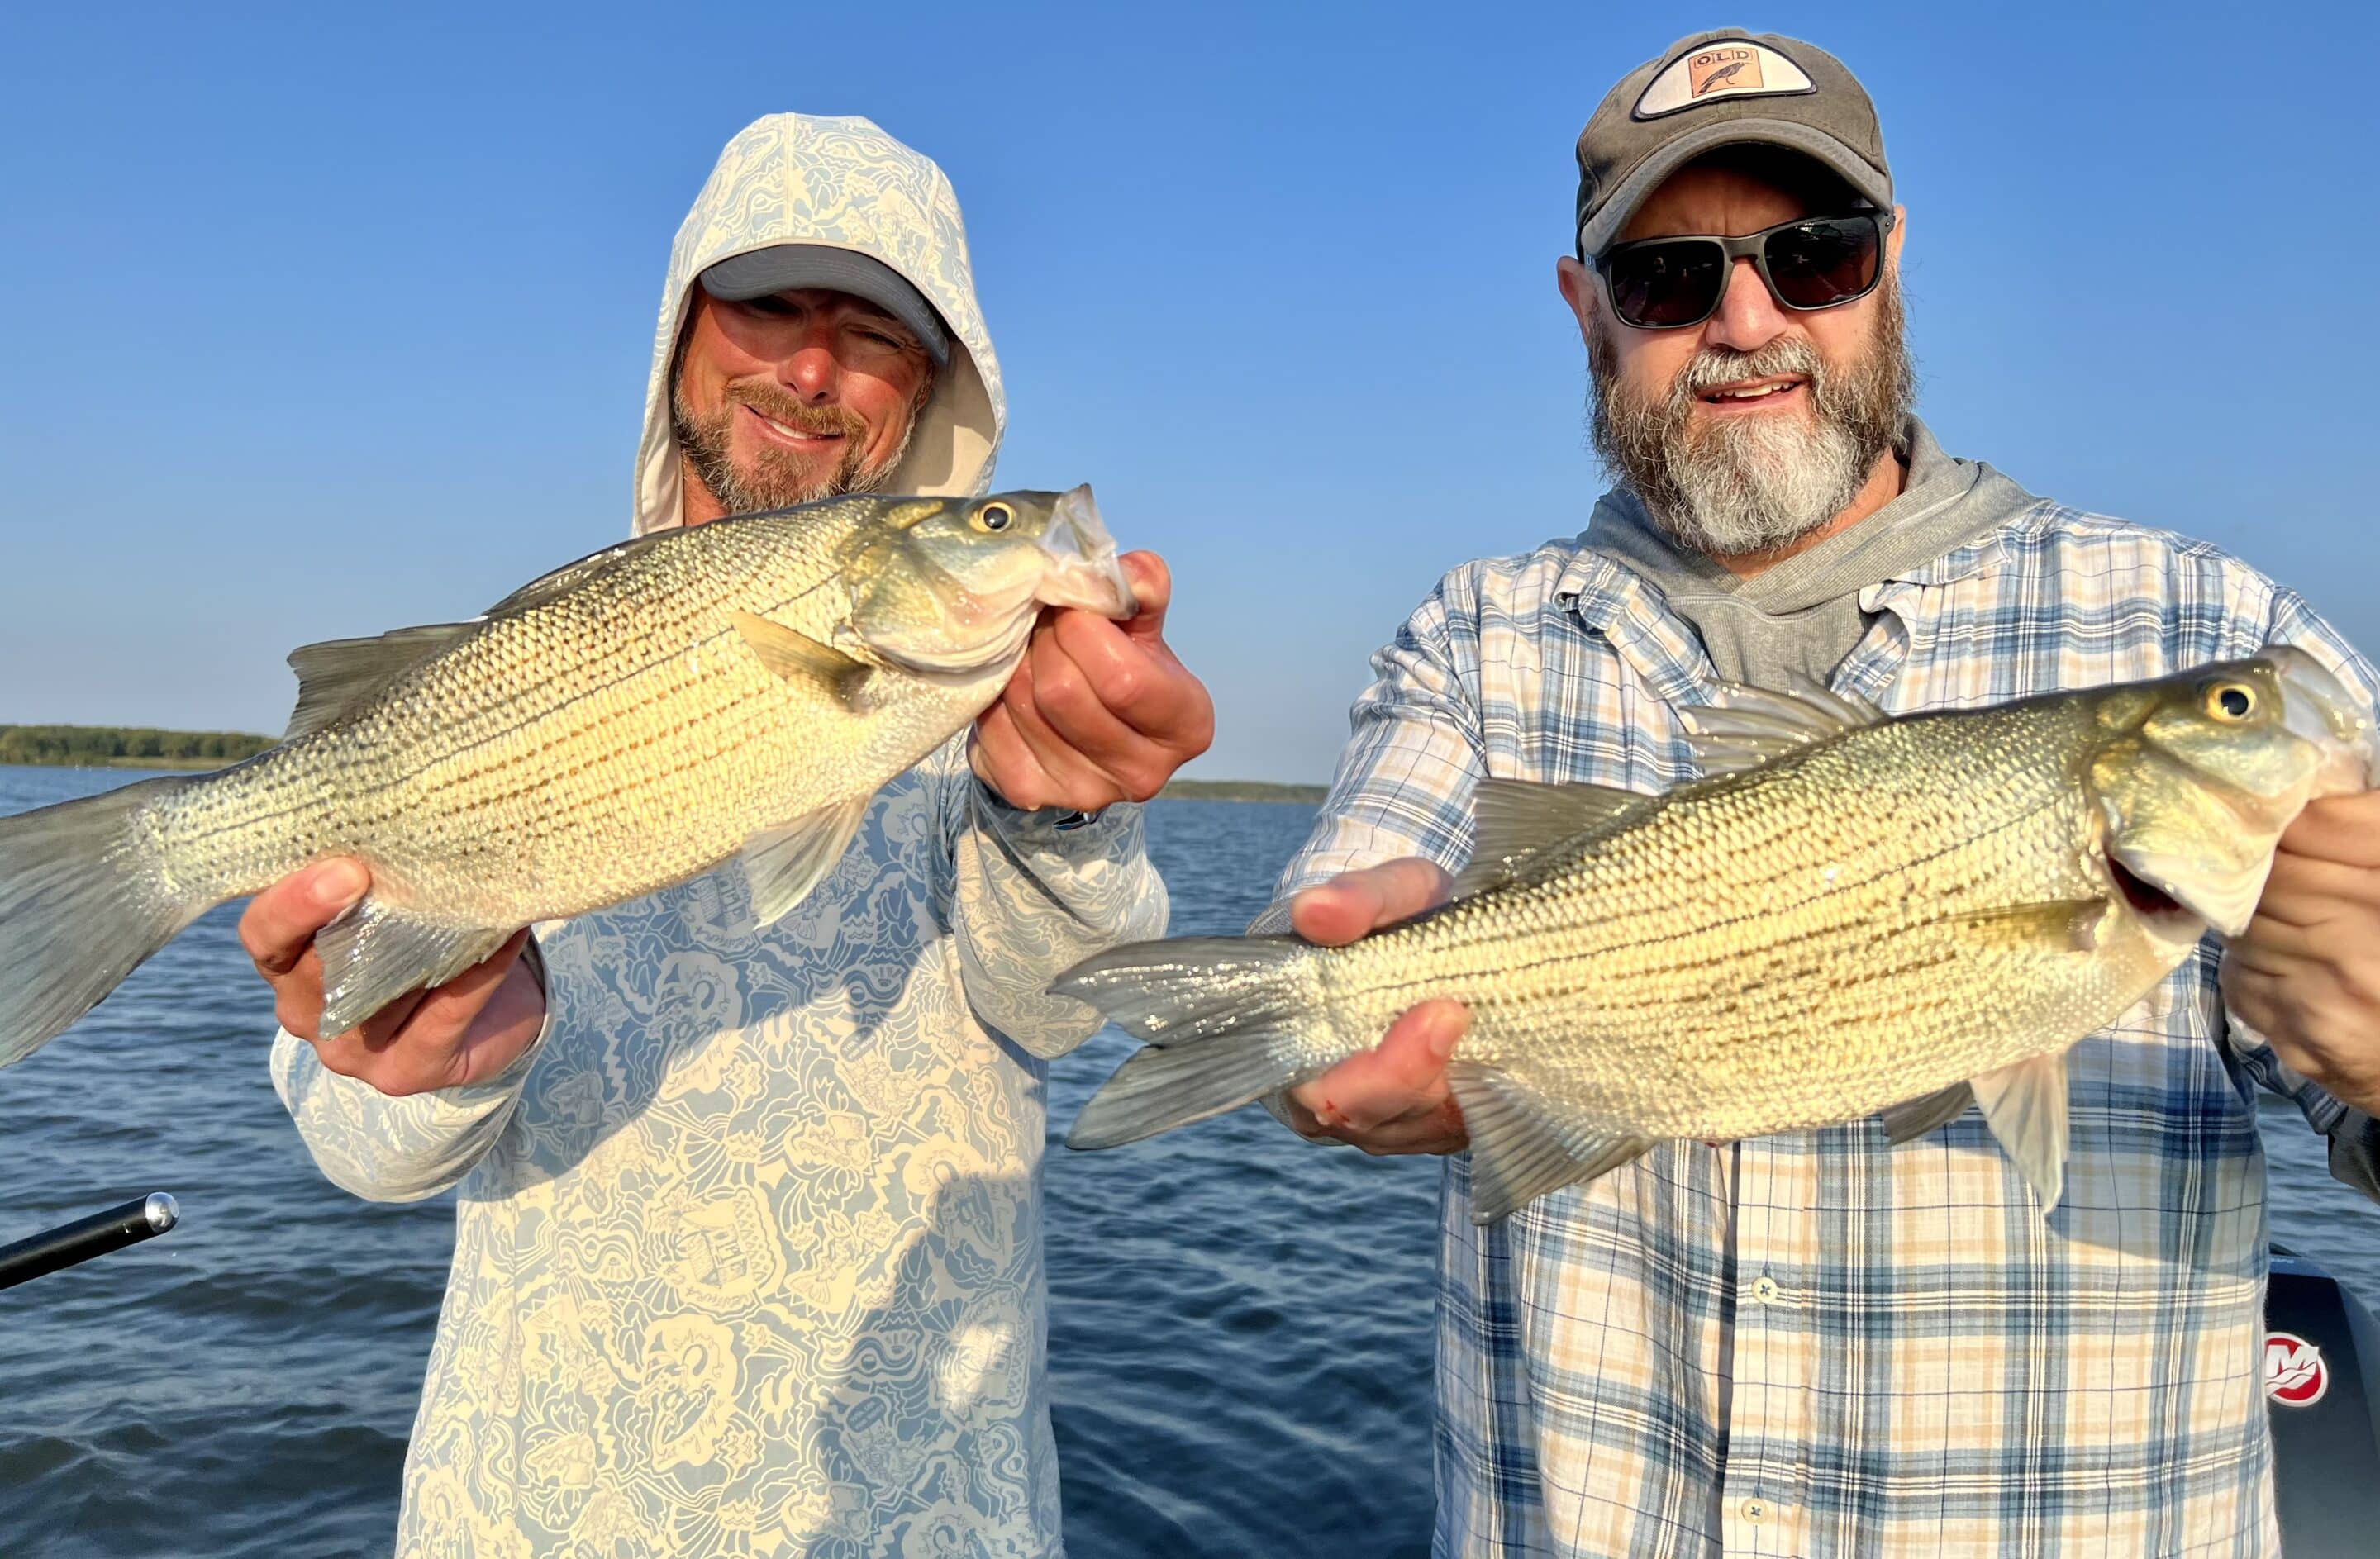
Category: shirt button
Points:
column 1763, row 1288
column 1755, row 1511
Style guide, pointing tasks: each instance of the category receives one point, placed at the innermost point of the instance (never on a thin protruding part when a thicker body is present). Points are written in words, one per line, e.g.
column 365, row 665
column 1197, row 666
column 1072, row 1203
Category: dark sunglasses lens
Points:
column 1656, row 284
column 1815, row 264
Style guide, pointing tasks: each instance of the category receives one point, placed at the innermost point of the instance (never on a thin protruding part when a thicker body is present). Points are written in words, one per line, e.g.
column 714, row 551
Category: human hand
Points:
column 2306, row 972
column 465, row 1031
column 1098, row 712
column 1392, row 1098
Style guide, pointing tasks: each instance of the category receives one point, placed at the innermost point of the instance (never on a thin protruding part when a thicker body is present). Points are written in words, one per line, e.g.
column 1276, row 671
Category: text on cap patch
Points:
column 1730, row 68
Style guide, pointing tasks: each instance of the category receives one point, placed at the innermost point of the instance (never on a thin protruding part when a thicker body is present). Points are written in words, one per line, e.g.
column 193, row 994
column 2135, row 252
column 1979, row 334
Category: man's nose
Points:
column 811, row 371
column 1747, row 318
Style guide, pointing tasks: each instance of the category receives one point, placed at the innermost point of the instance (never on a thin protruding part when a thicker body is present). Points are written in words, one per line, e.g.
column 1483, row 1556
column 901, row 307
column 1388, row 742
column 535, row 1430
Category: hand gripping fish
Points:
column 621, row 724
column 1851, row 915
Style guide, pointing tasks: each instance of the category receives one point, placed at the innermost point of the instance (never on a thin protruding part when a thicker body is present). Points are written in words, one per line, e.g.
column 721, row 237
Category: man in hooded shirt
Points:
column 748, row 1253
column 1819, row 1342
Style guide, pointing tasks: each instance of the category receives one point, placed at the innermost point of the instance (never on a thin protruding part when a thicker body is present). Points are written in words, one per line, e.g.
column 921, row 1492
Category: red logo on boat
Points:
column 2294, row 1372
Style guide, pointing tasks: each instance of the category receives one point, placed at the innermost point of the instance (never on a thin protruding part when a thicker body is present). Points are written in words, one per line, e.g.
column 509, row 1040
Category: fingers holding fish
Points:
column 463, row 1032
column 1392, row 1099
column 1098, row 711
column 1354, row 904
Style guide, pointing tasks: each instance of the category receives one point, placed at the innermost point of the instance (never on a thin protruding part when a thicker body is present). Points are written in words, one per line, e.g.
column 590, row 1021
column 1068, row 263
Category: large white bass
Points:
column 1853, row 916
column 619, row 725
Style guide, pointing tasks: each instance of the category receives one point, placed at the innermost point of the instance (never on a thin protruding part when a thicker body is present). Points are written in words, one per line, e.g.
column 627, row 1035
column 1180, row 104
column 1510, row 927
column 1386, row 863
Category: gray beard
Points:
column 1753, row 484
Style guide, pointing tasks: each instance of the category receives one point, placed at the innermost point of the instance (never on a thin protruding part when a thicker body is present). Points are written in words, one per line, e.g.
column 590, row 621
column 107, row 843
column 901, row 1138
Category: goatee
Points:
column 778, row 479
column 1753, row 484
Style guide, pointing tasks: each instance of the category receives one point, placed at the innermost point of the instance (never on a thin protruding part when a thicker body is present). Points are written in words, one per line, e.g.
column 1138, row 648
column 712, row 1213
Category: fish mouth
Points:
column 1083, row 569
column 2146, row 898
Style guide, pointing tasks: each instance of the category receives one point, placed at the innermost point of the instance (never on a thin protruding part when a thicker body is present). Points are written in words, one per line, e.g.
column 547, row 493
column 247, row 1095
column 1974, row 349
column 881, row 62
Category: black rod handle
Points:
column 85, row 1237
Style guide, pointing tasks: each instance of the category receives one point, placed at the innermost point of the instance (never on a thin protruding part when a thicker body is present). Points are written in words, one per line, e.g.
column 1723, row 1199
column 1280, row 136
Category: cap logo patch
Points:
column 1730, row 68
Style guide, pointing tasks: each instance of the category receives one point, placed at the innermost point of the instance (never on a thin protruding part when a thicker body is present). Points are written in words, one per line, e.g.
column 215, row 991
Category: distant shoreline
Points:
column 120, row 746
column 111, row 746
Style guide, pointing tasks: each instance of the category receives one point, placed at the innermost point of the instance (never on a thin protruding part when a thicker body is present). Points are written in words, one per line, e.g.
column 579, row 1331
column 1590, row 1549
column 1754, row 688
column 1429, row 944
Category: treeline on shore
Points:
column 111, row 746
column 1240, row 790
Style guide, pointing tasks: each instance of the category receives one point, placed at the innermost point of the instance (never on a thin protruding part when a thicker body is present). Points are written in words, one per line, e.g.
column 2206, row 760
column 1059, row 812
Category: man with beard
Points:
column 747, row 1245
column 1819, row 1342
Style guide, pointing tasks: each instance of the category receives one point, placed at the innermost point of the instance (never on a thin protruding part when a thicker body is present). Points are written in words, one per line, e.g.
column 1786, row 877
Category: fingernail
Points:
column 339, row 883
column 1444, row 1034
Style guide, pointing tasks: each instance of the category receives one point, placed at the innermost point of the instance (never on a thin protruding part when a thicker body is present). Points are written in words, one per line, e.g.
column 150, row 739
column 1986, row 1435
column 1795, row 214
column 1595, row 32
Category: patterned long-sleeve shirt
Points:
column 747, row 1245
column 1817, row 1344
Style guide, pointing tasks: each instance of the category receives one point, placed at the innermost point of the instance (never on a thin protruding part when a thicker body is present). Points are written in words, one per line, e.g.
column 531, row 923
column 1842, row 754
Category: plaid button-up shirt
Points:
column 1816, row 1343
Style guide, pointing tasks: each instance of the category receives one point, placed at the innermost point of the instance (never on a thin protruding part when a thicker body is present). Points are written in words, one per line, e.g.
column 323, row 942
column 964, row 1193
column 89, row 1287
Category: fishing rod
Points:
column 37, row 1255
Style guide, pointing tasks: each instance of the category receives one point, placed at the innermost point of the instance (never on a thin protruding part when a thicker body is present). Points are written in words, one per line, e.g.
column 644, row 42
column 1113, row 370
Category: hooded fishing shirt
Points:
column 1815, row 1343
column 748, row 1245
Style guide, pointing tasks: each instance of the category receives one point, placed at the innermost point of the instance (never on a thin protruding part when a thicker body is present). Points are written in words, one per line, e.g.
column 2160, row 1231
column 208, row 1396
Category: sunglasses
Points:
column 1816, row 262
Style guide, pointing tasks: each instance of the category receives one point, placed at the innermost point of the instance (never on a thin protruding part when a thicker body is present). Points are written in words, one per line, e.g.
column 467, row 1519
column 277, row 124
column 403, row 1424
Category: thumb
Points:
column 1152, row 587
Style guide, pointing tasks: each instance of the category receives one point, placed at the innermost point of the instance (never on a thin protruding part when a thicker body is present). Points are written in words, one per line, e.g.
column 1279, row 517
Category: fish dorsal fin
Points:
column 1516, row 819
column 784, row 864
column 1911, row 1119
column 797, row 657
column 1744, row 727
column 2025, row 1106
column 336, row 675
column 546, row 586
column 1525, row 1144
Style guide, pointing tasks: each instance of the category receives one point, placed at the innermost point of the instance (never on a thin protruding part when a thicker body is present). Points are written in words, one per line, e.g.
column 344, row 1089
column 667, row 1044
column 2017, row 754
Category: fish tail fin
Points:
column 1226, row 1019
column 81, row 905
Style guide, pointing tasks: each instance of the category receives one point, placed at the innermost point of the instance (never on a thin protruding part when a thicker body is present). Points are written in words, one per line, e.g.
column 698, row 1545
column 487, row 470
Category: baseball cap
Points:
column 1726, row 88
column 759, row 272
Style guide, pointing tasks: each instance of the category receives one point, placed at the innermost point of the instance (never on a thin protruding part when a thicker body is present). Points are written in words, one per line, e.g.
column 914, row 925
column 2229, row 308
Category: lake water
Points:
column 1239, row 1341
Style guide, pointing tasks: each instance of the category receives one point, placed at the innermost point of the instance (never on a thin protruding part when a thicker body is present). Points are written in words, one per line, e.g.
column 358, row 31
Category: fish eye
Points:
column 994, row 516
column 2230, row 702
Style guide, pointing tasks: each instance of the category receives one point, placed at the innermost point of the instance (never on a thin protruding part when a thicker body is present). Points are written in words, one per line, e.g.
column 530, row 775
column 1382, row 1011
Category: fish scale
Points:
column 624, row 723
column 1853, row 917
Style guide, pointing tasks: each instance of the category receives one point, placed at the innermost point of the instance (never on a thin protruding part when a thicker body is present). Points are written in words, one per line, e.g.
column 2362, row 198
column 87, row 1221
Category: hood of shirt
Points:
column 797, row 178
column 1803, row 615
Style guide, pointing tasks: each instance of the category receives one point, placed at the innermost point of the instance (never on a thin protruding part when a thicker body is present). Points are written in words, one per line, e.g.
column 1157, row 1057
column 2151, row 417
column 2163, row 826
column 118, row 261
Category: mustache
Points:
column 778, row 406
column 1714, row 365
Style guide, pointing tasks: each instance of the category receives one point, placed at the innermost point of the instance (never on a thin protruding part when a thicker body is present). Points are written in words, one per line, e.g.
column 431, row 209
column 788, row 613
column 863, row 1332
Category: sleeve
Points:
column 1033, row 894
column 2354, row 1136
column 1414, row 751
column 398, row 1150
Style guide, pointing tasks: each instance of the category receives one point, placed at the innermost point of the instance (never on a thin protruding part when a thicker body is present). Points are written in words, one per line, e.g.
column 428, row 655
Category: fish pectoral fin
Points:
column 338, row 674
column 1525, row 1144
column 795, row 657
column 1911, row 1119
column 2026, row 1105
column 2056, row 925
column 1514, row 819
column 373, row 954
column 784, row 864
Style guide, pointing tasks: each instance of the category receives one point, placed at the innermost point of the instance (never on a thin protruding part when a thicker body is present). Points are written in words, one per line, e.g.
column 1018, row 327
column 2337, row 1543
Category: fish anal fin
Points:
column 1517, row 818
column 375, row 954
column 1911, row 1119
column 782, row 865
column 1525, row 1144
column 795, row 656
column 2026, row 1105
column 337, row 675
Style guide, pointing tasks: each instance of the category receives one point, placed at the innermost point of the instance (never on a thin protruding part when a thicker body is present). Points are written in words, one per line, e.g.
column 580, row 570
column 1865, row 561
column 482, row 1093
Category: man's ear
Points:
column 1576, row 284
column 1893, row 241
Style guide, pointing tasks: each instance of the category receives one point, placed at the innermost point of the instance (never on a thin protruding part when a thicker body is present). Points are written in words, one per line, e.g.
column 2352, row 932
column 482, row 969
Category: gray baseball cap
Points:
column 1723, row 88
column 781, row 267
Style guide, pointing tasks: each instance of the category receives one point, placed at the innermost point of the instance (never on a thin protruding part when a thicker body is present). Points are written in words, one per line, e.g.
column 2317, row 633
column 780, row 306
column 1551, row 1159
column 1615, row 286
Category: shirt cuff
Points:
column 1052, row 828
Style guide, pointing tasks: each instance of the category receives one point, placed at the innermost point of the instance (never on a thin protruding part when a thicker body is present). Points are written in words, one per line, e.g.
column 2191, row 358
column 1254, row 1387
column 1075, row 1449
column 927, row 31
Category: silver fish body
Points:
column 1856, row 915
column 620, row 725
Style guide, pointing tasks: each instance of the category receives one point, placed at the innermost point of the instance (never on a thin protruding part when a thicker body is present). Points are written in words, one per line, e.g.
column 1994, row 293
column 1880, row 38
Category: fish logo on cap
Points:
column 1732, row 67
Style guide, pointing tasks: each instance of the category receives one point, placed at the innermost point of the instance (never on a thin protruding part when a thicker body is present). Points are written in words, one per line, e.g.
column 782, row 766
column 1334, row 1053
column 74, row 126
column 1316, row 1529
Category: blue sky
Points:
column 318, row 323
